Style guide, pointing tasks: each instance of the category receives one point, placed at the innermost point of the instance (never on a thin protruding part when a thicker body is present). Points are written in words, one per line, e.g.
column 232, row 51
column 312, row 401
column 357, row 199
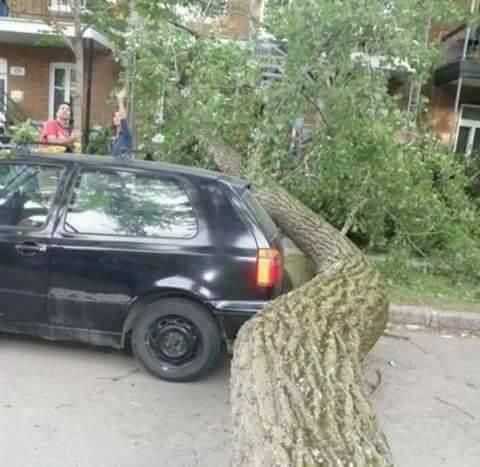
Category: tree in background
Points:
column 355, row 168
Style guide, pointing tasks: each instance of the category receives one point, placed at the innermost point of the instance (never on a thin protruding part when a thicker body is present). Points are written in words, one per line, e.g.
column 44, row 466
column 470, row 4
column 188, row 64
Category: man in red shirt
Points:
column 56, row 132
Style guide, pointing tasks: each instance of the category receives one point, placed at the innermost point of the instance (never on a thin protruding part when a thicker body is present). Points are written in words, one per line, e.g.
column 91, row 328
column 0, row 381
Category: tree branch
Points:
column 318, row 109
column 88, row 13
column 474, row 176
column 52, row 21
column 351, row 217
column 178, row 25
column 407, row 236
column 226, row 158
column 258, row 23
column 77, row 19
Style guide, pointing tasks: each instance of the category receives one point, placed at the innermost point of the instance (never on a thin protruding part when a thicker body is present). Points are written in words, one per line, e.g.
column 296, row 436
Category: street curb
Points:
column 435, row 318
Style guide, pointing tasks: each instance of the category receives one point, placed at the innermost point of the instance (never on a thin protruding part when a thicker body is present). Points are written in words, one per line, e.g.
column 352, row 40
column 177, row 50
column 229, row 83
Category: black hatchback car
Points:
column 106, row 251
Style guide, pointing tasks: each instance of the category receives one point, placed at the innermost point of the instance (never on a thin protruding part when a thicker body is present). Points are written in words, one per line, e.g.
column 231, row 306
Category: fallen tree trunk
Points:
column 298, row 390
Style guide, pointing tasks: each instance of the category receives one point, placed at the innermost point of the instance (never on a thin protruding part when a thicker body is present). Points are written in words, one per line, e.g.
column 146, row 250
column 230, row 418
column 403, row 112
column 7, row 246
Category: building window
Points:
column 61, row 81
column 63, row 6
column 468, row 133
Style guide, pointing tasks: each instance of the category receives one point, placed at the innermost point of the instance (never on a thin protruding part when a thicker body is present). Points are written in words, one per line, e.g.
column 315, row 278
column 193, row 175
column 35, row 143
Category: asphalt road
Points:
column 66, row 405
column 429, row 398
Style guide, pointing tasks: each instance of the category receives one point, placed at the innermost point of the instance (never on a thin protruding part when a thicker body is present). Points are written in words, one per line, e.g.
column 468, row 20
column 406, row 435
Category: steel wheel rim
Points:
column 173, row 340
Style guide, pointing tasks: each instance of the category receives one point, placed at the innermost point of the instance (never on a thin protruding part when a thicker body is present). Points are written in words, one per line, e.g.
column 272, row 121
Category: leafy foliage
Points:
column 25, row 133
column 99, row 141
column 340, row 61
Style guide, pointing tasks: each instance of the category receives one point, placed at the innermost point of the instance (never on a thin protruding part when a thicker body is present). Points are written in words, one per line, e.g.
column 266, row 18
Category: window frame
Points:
column 182, row 182
column 52, row 212
column 56, row 6
column 69, row 69
column 469, row 123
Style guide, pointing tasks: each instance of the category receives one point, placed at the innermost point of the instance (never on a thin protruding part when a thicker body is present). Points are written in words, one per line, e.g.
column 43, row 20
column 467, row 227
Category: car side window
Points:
column 123, row 203
column 27, row 193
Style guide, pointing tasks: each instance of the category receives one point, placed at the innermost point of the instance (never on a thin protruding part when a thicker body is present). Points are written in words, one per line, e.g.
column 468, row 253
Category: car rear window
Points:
column 129, row 204
column 260, row 215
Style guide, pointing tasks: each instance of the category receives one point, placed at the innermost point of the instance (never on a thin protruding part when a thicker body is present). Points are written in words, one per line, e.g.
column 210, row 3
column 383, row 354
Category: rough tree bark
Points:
column 79, row 82
column 298, row 391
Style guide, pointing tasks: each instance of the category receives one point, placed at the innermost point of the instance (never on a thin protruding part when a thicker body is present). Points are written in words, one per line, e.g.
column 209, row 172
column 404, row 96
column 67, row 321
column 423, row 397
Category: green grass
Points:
column 410, row 283
column 417, row 288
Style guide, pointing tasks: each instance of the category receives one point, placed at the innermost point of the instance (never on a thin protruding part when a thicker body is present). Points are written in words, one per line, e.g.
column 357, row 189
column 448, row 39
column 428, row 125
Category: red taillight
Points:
column 269, row 267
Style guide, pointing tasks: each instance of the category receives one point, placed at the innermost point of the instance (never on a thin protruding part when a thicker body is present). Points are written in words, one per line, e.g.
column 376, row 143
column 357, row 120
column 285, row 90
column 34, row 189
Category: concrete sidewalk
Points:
column 436, row 319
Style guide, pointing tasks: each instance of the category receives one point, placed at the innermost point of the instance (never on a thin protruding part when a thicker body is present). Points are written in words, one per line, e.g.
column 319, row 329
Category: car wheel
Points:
column 176, row 339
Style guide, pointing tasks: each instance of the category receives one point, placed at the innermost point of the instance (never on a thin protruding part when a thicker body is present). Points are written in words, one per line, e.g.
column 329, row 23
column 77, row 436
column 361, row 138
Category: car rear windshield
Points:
column 260, row 215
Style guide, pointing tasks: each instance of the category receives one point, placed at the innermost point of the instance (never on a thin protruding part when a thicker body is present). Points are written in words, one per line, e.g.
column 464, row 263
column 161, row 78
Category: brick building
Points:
column 454, row 90
column 34, row 79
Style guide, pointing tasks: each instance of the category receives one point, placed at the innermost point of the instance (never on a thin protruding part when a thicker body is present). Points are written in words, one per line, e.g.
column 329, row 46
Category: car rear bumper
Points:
column 235, row 313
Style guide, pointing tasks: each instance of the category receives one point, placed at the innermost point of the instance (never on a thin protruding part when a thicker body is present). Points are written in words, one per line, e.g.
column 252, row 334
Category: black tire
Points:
column 176, row 339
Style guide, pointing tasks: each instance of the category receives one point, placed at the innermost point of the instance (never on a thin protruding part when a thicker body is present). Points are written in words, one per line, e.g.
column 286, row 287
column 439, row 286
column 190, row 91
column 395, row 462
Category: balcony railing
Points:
column 462, row 43
column 41, row 8
column 461, row 48
column 272, row 56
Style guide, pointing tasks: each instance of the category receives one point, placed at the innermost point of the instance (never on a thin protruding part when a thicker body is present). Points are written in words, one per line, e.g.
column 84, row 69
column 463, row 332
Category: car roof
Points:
column 121, row 162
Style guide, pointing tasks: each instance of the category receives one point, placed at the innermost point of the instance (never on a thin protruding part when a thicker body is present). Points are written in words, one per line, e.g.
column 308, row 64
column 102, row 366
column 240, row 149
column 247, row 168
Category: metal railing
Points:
column 271, row 55
column 462, row 43
column 41, row 8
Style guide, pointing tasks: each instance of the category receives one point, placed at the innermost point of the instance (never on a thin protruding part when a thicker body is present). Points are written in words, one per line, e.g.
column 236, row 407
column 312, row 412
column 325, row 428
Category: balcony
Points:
column 461, row 49
column 40, row 8
column 23, row 22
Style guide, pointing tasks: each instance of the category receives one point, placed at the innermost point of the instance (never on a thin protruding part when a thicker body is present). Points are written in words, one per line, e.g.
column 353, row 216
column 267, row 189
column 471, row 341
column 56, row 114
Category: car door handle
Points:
column 31, row 248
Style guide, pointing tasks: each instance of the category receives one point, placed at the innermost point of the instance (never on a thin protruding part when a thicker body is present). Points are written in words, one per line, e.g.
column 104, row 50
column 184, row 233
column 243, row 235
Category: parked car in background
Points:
column 106, row 251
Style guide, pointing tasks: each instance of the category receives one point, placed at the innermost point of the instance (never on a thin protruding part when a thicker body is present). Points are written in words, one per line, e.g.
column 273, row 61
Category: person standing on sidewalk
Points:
column 55, row 132
column 122, row 142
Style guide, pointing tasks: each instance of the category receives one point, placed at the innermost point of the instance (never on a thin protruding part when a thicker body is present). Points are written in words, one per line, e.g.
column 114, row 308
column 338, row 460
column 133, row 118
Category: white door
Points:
column 61, row 81
column 3, row 94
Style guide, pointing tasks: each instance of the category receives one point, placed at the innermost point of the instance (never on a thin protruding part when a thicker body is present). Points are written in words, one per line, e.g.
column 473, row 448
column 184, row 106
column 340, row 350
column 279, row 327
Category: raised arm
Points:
column 121, row 103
